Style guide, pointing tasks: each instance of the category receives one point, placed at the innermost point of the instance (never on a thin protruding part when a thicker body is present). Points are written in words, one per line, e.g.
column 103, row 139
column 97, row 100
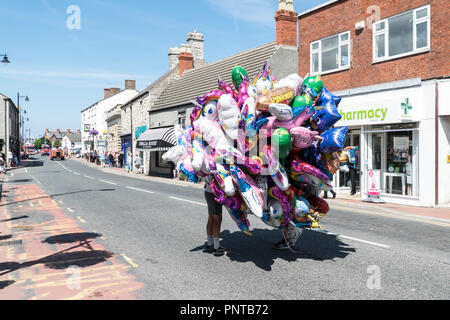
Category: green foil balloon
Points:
column 314, row 83
column 301, row 101
column 238, row 75
column 281, row 140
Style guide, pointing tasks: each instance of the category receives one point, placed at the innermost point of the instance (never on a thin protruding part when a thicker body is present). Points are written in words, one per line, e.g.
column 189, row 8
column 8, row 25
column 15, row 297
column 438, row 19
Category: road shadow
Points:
column 5, row 237
column 4, row 284
column 65, row 259
column 257, row 249
column 14, row 219
column 57, row 195
column 19, row 181
column 72, row 238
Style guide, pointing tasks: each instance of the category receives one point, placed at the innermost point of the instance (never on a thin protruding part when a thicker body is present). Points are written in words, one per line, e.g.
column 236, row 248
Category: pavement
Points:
column 72, row 231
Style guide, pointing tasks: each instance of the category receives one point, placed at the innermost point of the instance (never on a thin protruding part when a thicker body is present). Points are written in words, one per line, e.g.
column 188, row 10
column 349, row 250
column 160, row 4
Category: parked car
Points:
column 57, row 154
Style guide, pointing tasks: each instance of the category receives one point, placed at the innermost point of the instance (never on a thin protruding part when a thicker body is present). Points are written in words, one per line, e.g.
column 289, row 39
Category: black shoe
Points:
column 209, row 249
column 221, row 251
column 334, row 194
column 281, row 245
column 325, row 196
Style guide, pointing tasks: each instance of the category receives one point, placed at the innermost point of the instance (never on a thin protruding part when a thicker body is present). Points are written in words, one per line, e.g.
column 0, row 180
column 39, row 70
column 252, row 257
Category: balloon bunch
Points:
column 269, row 145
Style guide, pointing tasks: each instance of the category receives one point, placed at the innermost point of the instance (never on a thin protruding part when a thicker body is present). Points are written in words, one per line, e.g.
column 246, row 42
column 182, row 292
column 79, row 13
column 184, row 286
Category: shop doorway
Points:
column 395, row 154
column 344, row 181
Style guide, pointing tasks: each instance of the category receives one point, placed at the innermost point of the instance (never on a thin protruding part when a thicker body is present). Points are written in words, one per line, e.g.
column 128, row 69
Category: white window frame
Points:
column 319, row 52
column 385, row 31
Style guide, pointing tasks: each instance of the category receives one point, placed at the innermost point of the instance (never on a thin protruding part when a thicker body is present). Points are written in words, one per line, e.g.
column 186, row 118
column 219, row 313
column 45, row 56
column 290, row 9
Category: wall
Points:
column 343, row 16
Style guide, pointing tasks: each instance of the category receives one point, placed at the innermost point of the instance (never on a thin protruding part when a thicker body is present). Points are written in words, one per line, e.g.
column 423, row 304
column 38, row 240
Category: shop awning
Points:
column 157, row 139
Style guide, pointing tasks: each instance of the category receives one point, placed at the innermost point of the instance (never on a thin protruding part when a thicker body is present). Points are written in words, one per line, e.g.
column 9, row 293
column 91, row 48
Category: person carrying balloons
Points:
column 214, row 222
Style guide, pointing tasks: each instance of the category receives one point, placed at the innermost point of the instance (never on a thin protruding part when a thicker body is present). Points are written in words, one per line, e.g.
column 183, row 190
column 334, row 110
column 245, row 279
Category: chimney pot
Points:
column 130, row 84
column 173, row 57
column 286, row 24
column 113, row 91
column 186, row 59
column 107, row 93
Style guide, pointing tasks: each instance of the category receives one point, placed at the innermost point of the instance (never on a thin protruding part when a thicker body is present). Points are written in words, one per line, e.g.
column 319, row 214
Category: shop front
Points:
column 387, row 126
column 127, row 145
column 157, row 141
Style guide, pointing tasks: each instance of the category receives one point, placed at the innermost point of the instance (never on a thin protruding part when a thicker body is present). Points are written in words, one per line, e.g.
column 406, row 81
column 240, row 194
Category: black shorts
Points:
column 213, row 206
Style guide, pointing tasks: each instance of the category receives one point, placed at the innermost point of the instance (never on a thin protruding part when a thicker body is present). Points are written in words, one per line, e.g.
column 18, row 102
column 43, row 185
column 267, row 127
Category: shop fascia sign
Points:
column 390, row 110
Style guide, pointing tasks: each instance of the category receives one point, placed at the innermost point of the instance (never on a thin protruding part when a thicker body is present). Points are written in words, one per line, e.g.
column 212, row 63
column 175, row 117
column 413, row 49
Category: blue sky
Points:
column 64, row 71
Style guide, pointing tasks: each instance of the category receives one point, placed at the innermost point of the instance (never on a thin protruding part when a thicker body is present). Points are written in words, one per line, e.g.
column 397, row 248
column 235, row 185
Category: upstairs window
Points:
column 331, row 54
column 401, row 35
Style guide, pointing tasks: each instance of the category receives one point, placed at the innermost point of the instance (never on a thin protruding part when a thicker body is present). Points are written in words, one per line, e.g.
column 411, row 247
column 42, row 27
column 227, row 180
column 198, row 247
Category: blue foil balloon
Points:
column 333, row 140
column 325, row 117
column 327, row 99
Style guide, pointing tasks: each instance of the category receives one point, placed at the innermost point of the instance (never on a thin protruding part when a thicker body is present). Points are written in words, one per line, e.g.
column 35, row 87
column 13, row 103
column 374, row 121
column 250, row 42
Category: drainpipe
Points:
column 436, row 143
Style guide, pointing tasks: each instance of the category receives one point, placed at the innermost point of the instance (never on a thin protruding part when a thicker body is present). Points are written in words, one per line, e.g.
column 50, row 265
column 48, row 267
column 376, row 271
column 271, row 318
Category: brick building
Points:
column 389, row 61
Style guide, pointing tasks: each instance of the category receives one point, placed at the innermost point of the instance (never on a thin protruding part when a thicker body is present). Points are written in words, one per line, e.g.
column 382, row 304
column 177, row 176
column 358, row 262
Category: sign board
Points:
column 374, row 186
column 393, row 106
column 373, row 183
column 448, row 158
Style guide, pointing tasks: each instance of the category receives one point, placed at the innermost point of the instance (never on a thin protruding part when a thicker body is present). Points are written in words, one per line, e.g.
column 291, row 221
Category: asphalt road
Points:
column 159, row 229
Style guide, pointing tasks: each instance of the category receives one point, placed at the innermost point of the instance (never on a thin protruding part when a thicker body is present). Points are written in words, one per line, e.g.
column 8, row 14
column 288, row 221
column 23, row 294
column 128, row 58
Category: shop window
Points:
column 404, row 34
column 331, row 54
column 182, row 118
column 399, row 163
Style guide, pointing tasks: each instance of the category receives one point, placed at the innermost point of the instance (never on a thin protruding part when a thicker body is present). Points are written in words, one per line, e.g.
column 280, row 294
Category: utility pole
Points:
column 6, row 133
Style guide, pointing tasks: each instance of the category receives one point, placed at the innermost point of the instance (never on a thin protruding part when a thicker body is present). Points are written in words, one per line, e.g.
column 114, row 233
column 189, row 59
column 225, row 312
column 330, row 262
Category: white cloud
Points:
column 253, row 11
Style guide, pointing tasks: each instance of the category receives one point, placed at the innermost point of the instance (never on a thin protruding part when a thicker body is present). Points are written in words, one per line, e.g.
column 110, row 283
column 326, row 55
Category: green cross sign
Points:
column 406, row 106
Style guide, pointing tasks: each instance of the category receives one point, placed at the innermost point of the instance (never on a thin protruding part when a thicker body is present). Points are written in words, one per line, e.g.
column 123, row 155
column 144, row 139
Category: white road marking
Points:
column 26, row 171
column 115, row 184
column 129, row 260
column 62, row 165
column 137, row 189
column 81, row 219
column 89, row 177
column 185, row 200
column 70, row 210
column 76, row 173
column 36, row 180
column 12, row 175
column 355, row 239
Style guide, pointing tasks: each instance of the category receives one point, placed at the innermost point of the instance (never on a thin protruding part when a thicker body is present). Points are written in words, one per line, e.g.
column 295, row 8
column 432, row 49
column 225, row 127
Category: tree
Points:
column 38, row 143
column 57, row 144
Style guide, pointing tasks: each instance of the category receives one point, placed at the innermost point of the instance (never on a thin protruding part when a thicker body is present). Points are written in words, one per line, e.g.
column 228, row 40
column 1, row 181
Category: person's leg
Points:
column 353, row 180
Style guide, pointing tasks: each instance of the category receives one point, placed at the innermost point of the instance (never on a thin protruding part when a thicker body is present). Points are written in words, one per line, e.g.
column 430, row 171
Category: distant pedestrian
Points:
column 120, row 160
column 138, row 164
column 111, row 160
column 102, row 159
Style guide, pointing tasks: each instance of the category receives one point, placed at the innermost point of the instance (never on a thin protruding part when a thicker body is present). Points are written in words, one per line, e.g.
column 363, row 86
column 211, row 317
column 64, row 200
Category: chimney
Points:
column 196, row 40
column 185, row 58
column 173, row 57
column 130, row 84
column 46, row 130
column 57, row 130
column 68, row 130
column 286, row 23
column 78, row 131
column 113, row 91
column 107, row 93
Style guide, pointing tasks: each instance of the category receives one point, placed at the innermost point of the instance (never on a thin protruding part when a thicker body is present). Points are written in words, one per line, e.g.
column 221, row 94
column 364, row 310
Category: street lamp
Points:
column 5, row 58
column 20, row 110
